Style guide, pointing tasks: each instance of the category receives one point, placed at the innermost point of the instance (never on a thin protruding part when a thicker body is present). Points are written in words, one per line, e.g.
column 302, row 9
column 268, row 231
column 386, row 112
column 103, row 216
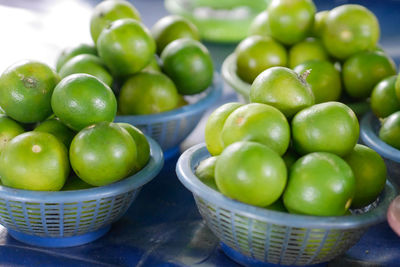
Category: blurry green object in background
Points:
column 219, row 21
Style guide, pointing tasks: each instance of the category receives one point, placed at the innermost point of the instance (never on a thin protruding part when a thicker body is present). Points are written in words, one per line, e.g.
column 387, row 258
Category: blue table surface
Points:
column 163, row 226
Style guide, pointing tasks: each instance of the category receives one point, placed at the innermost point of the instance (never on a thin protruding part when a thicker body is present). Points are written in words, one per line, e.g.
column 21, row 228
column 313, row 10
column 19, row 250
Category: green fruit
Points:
column 251, row 173
column 25, row 91
column 277, row 206
column 88, row 64
column 309, row 49
column 171, row 28
column 80, row 100
column 320, row 184
column 324, row 80
column 350, row 29
column 8, row 130
column 214, row 126
column 260, row 25
column 383, row 98
column 71, row 52
column 390, row 130
column 58, row 129
column 369, row 170
column 256, row 54
column 126, row 47
column 206, row 172
column 319, row 23
column 189, row 65
column 282, row 88
column 153, row 66
column 75, row 183
column 142, row 145
column 103, row 153
column 259, row 123
column 290, row 21
column 397, row 87
column 147, row 93
column 34, row 161
column 327, row 127
column 108, row 11
column 364, row 70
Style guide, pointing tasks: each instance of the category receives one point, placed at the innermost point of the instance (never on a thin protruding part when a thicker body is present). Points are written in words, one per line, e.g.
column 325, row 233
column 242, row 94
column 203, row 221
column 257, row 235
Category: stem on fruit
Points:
column 305, row 74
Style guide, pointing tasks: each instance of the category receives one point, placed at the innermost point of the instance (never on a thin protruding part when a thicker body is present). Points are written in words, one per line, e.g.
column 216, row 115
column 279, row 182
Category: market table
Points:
column 163, row 226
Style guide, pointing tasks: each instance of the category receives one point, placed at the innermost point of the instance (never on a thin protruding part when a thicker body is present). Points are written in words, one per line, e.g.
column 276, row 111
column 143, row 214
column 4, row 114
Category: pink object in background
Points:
column 393, row 215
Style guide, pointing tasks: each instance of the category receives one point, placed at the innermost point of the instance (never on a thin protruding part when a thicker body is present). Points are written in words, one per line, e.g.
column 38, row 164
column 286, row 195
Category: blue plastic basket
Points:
column 170, row 128
column 71, row 218
column 254, row 235
column 369, row 133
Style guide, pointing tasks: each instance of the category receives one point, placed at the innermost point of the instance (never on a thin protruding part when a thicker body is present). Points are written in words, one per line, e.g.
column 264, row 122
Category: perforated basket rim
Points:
column 131, row 183
column 214, row 92
column 191, row 157
column 228, row 71
column 370, row 138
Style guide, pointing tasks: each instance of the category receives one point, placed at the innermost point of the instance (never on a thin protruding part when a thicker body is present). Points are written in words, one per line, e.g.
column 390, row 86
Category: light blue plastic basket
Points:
column 71, row 218
column 369, row 133
column 254, row 235
column 170, row 128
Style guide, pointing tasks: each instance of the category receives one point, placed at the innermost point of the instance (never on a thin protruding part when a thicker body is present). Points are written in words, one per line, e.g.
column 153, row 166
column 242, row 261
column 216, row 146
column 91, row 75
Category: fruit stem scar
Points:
column 240, row 121
column 305, row 74
column 36, row 148
column 29, row 82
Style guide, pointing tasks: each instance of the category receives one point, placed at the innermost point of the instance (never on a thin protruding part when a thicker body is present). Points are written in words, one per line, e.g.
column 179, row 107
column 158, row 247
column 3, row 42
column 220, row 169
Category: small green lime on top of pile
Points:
column 34, row 161
column 126, row 47
column 89, row 64
column 80, row 100
column 257, row 53
column 350, row 29
column 309, row 49
column 290, row 21
column 108, row 11
column 282, row 88
column 171, row 28
column 189, row 65
column 103, row 153
column 26, row 89
column 147, row 93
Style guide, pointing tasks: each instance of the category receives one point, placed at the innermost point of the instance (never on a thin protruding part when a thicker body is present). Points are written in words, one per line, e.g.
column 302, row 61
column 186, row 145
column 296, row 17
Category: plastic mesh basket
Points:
column 369, row 133
column 70, row 218
column 170, row 128
column 267, row 236
column 242, row 88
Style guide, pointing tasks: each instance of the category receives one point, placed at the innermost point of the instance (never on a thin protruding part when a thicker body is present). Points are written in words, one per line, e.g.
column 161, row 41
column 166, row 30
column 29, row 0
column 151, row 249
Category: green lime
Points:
column 25, row 91
column 171, row 28
column 58, row 129
column 390, row 130
column 320, row 184
column 327, row 127
column 88, row 64
column 102, row 153
column 147, row 93
column 75, row 183
column 206, row 172
column 319, row 23
column 251, row 173
column 383, row 98
column 259, row 123
column 369, row 170
column 350, row 29
column 34, row 161
column 126, row 47
column 80, row 100
column 364, row 70
column 260, row 25
column 256, row 54
column 214, row 125
column 8, row 130
column 282, row 88
column 71, row 52
column 309, row 49
column 188, row 63
column 324, row 79
column 108, row 11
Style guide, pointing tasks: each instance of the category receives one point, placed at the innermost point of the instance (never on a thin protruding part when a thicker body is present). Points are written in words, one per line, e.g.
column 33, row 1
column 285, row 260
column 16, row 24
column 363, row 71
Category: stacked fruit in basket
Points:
column 55, row 120
column 339, row 46
column 294, row 147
